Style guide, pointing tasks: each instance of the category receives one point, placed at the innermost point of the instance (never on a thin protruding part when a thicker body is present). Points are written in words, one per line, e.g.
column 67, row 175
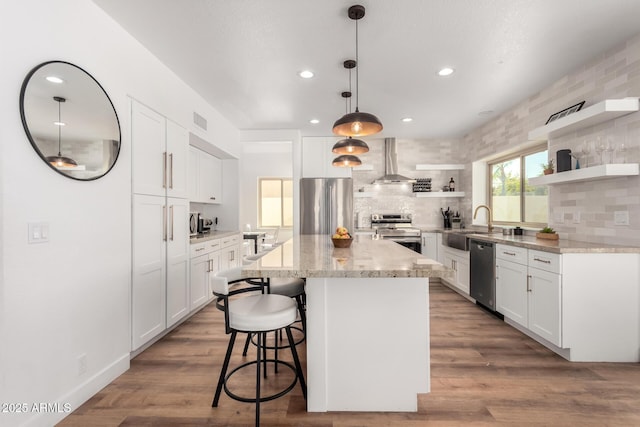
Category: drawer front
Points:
column 230, row 241
column 511, row 253
column 213, row 245
column 545, row 261
column 198, row 249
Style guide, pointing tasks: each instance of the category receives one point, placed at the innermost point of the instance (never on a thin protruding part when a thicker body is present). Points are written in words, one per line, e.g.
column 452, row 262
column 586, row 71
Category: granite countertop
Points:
column 560, row 246
column 531, row 242
column 315, row 256
column 212, row 235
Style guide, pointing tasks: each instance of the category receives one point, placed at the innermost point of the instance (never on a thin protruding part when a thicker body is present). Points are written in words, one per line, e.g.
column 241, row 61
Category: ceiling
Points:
column 243, row 56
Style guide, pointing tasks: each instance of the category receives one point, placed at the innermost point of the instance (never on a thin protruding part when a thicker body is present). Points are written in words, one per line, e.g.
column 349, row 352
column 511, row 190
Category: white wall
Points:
column 71, row 296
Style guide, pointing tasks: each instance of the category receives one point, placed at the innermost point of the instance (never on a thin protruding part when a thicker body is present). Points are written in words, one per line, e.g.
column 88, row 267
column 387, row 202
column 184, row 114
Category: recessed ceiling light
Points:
column 407, row 119
column 306, row 74
column 54, row 79
column 314, row 121
column 445, row 72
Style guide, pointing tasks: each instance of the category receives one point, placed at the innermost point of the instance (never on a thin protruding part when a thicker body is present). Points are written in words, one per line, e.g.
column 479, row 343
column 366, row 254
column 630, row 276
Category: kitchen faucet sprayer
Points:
column 489, row 220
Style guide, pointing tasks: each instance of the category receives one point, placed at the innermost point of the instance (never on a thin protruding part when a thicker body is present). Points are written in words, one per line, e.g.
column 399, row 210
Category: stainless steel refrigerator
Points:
column 325, row 204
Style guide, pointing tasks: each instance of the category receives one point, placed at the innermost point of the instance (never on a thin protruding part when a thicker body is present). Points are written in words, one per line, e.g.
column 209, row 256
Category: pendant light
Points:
column 349, row 145
column 357, row 123
column 346, row 161
column 60, row 161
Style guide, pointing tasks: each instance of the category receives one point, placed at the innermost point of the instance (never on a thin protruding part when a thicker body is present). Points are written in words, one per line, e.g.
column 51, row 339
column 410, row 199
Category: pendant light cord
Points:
column 357, row 67
column 59, row 131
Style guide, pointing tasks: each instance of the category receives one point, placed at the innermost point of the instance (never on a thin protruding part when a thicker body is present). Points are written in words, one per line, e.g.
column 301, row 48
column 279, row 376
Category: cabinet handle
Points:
column 509, row 253
column 199, row 249
column 171, row 170
column 497, row 273
column 164, row 170
column 164, row 223
column 546, row 261
column 528, row 286
column 212, row 198
column 172, row 221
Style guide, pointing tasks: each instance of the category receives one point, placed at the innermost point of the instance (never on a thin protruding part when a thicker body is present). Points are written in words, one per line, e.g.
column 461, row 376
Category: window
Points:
column 513, row 200
column 275, row 202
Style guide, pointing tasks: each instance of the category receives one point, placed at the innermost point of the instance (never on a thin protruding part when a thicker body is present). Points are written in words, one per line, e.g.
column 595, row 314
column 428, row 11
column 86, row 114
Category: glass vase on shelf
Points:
column 585, row 150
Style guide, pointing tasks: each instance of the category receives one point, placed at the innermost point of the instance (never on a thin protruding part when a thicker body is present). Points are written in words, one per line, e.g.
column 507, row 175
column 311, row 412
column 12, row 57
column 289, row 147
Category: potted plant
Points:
column 547, row 168
column 547, row 233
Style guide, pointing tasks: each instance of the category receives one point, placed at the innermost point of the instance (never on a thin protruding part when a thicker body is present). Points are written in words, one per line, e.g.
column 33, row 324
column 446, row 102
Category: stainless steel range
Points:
column 398, row 228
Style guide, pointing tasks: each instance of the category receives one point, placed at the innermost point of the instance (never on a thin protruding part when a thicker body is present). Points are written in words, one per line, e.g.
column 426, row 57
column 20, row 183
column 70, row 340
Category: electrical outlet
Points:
column 576, row 217
column 82, row 364
column 621, row 218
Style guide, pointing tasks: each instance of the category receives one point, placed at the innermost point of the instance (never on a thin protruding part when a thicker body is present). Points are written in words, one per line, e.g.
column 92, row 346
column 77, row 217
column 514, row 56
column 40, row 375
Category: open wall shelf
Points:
column 601, row 112
column 588, row 174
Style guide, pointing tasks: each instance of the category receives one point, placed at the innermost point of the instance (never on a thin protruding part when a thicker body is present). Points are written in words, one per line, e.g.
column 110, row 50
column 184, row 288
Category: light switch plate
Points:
column 38, row 232
column 621, row 218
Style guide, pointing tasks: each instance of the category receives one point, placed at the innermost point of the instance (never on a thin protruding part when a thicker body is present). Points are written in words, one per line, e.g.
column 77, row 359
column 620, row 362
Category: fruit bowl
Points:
column 341, row 243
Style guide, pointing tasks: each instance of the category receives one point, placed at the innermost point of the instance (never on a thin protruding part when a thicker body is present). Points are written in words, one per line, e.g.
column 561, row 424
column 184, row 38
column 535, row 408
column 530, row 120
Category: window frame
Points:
column 521, row 154
column 282, row 181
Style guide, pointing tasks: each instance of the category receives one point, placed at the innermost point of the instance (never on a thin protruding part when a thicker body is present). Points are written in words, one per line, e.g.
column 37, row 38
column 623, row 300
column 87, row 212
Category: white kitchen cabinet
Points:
column 544, row 305
column 458, row 261
column 177, row 240
column 511, row 283
column 160, row 154
column 205, row 177
column 317, row 157
column 430, row 245
column 527, row 295
column 230, row 252
column 160, row 265
column 205, row 261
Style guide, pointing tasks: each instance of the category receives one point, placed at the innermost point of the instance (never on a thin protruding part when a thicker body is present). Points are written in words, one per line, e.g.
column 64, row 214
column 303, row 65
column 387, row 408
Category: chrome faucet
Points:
column 489, row 221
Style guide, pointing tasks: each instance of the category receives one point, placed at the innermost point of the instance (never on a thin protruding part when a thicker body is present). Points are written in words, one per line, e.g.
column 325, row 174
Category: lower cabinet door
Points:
column 199, row 284
column 545, row 304
column 177, row 260
column 511, row 291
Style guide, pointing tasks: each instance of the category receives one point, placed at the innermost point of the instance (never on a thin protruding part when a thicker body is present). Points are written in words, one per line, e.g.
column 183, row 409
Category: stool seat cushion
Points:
column 259, row 313
column 290, row 287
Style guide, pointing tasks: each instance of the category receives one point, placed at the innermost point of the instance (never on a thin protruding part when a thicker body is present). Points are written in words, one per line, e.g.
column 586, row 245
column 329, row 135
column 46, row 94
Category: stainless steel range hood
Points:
column 391, row 165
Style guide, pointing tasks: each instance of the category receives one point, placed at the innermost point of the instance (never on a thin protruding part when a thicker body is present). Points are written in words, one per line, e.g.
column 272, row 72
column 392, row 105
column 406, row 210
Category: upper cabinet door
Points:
column 148, row 140
column 210, row 173
column 177, row 160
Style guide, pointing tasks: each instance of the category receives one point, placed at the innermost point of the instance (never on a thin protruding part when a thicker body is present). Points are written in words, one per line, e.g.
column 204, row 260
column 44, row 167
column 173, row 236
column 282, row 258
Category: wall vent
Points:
column 200, row 121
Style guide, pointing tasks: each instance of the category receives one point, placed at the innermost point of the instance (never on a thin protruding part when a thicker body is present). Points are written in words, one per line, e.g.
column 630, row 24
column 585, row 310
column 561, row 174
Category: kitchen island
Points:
column 367, row 320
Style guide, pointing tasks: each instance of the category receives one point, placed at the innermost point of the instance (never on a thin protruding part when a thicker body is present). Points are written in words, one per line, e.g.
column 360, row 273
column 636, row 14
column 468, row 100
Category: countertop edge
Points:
column 212, row 236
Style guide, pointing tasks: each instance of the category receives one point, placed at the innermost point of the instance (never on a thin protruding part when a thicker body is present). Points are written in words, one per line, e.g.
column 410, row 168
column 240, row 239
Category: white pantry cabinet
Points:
column 160, row 153
column 160, row 265
column 160, row 277
column 205, row 177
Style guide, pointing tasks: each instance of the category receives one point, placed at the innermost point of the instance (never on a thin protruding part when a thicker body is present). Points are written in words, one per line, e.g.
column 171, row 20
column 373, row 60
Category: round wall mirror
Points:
column 70, row 120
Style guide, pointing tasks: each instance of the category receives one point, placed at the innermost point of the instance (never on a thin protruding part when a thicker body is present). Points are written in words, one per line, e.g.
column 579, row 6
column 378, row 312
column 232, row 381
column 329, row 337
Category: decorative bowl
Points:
column 341, row 243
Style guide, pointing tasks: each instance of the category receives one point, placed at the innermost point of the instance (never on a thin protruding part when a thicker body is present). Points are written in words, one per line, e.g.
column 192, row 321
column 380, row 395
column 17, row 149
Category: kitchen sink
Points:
column 459, row 239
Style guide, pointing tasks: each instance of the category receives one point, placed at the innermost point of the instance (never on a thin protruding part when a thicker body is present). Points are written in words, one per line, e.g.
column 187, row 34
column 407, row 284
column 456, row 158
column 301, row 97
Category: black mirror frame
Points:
column 23, row 89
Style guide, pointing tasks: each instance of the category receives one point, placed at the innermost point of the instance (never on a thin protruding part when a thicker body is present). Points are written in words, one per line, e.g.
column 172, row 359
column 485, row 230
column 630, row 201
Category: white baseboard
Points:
column 83, row 392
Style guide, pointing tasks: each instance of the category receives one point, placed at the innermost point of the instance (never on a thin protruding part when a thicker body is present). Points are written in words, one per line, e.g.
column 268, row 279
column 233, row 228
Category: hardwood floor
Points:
column 483, row 372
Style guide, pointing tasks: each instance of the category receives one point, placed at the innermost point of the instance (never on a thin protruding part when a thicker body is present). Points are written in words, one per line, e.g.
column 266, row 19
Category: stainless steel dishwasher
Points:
column 483, row 273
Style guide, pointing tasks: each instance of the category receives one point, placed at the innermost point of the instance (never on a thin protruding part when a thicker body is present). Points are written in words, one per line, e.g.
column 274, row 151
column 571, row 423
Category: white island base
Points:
column 367, row 343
